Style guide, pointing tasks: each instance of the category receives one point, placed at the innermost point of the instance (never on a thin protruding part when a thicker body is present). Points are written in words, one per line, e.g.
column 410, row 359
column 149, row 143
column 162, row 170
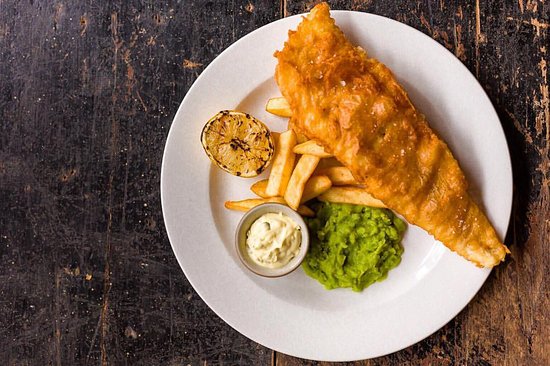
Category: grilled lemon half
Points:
column 238, row 143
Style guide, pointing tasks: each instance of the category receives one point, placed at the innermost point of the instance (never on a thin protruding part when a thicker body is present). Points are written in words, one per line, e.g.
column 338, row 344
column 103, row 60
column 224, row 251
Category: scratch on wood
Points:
column 459, row 12
column 83, row 24
column 171, row 287
column 543, row 117
column 249, row 7
column 92, row 342
column 533, row 22
column 520, row 2
column 130, row 81
column 158, row 18
column 538, row 213
column 72, row 272
column 126, row 173
column 283, row 9
column 519, row 127
column 430, row 13
column 4, row 30
column 444, row 36
column 425, row 23
column 104, row 317
column 360, row 4
column 133, row 38
column 114, row 34
column 532, row 5
column 67, row 175
column 188, row 64
column 130, row 332
column 57, row 317
column 143, row 105
column 59, row 12
column 460, row 51
column 538, row 25
column 479, row 37
column 84, row 74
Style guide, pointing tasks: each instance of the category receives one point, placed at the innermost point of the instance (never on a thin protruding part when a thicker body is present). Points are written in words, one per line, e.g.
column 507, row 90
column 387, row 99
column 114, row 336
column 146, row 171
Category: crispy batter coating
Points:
column 355, row 108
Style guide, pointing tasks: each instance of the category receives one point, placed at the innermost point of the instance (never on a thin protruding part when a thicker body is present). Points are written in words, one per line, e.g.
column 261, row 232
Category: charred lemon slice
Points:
column 238, row 143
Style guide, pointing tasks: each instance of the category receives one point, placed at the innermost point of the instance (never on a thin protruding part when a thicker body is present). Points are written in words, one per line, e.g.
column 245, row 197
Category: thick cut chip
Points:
column 303, row 170
column 311, row 148
column 354, row 107
column 339, row 175
column 352, row 195
column 279, row 107
column 247, row 204
column 315, row 186
column 259, row 188
column 283, row 162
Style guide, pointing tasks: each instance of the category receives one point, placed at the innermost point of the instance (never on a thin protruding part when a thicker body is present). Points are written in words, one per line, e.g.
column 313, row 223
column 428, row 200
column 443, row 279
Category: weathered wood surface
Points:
column 87, row 94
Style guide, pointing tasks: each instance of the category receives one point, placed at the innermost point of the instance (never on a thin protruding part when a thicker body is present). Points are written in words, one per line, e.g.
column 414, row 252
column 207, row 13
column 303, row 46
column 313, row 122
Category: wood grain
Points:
column 506, row 47
column 87, row 94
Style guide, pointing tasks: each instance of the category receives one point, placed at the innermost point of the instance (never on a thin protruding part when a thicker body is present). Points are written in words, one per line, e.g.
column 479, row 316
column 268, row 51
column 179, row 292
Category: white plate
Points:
column 294, row 314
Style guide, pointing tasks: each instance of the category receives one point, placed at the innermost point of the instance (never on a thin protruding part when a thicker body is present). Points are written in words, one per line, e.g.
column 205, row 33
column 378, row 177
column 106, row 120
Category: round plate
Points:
column 295, row 314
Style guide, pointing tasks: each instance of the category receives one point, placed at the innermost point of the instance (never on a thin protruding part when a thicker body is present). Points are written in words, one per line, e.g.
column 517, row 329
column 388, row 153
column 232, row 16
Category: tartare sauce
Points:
column 273, row 240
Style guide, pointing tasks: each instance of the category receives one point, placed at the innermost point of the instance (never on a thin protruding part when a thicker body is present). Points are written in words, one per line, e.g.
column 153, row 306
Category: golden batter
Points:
column 355, row 108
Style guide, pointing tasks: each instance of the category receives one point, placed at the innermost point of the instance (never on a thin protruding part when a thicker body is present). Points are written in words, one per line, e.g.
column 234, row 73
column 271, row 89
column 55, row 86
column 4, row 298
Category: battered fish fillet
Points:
column 355, row 108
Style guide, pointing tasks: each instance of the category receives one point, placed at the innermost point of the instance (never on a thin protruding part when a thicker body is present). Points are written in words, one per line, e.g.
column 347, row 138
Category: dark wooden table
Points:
column 88, row 90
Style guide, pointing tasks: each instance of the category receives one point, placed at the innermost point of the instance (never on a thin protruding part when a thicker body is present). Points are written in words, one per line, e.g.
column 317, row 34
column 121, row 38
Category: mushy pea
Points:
column 352, row 246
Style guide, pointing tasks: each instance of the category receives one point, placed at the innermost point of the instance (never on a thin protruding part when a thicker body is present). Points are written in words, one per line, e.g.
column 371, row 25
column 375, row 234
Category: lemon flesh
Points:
column 238, row 143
